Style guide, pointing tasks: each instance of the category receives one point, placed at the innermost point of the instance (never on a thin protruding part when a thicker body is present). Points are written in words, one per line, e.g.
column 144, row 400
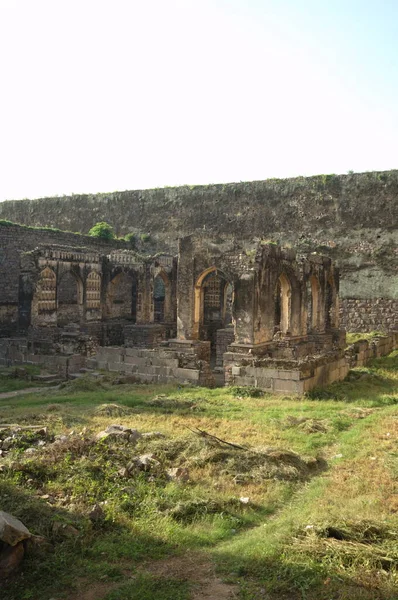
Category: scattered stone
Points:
column 7, row 443
column 12, row 531
column 241, row 479
column 123, row 472
column 178, row 474
column 115, row 432
column 38, row 543
column 96, row 514
column 15, row 465
column 10, row 559
column 30, row 450
column 244, row 500
column 153, row 435
column 64, row 530
column 145, row 462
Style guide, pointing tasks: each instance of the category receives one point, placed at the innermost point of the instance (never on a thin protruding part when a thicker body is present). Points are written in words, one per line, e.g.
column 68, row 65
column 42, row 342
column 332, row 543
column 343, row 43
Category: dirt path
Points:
column 31, row 390
column 194, row 568
column 197, row 570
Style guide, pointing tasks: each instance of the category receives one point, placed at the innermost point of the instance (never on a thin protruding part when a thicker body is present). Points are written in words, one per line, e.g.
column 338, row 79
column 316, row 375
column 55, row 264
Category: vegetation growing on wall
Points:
column 102, row 230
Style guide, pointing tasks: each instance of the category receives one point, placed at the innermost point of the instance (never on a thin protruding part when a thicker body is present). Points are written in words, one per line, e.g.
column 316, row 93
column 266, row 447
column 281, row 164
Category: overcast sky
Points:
column 122, row 94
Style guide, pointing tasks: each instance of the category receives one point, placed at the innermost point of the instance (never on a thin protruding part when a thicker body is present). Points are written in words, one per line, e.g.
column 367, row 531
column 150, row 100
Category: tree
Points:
column 102, row 230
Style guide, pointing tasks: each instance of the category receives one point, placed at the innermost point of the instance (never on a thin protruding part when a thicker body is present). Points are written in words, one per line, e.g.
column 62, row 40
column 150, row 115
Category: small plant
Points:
column 131, row 238
column 145, row 237
column 102, row 230
column 247, row 392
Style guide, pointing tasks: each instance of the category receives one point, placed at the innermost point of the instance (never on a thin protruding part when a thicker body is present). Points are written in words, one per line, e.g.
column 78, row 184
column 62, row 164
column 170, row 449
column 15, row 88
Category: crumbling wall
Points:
column 298, row 377
column 352, row 218
column 16, row 290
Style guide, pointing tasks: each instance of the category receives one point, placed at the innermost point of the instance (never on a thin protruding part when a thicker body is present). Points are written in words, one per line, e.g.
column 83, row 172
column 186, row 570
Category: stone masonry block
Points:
column 189, row 374
column 291, row 375
column 115, row 366
column 136, row 360
column 288, row 386
column 146, row 378
column 131, row 352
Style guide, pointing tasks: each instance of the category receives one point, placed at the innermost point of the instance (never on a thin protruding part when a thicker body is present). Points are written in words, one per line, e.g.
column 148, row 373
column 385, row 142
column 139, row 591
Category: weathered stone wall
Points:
column 363, row 314
column 176, row 363
column 326, row 202
column 224, row 338
column 352, row 218
column 147, row 336
column 292, row 377
column 15, row 240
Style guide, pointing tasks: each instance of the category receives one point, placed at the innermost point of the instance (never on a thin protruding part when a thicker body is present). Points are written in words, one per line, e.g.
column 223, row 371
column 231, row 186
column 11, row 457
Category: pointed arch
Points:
column 121, row 296
column 209, row 300
column 69, row 298
column 93, row 291
column 46, row 291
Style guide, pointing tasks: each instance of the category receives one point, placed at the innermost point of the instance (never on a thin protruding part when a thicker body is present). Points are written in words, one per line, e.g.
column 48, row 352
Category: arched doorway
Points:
column 213, row 304
column 69, row 299
column 121, row 297
column 44, row 300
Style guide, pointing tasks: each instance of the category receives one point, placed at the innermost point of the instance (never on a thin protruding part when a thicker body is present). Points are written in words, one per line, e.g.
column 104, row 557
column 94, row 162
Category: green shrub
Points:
column 102, row 230
column 131, row 238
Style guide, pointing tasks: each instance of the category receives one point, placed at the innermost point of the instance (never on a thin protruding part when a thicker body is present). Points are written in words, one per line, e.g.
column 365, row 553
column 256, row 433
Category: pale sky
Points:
column 98, row 96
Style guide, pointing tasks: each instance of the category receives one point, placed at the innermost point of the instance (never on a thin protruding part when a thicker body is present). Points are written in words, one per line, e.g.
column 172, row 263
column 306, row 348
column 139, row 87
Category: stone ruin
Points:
column 214, row 314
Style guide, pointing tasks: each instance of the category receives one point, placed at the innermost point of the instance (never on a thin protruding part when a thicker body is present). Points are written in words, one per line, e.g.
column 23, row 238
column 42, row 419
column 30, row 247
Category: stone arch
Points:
column 69, row 298
column 43, row 307
column 46, row 291
column 161, row 298
column 282, row 299
column 209, row 303
column 121, row 297
column 93, row 291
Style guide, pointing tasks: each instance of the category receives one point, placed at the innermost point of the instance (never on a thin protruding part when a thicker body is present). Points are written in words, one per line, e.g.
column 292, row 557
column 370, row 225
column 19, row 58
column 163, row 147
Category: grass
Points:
column 319, row 474
column 18, row 378
column 356, row 337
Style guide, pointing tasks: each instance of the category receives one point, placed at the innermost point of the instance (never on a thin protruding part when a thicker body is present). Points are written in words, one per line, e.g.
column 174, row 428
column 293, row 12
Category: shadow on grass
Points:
column 78, row 548
column 375, row 385
column 277, row 576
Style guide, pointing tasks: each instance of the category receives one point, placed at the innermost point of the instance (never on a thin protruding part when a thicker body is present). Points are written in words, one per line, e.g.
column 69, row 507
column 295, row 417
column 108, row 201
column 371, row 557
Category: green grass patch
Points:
column 305, row 508
column 147, row 587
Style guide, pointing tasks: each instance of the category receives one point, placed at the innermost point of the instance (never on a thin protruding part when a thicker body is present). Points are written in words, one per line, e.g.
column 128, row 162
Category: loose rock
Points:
column 143, row 463
column 178, row 474
column 12, row 531
column 10, row 559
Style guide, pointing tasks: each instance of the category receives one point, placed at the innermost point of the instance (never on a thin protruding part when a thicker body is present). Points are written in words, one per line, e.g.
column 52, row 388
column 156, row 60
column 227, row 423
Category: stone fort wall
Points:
column 352, row 218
